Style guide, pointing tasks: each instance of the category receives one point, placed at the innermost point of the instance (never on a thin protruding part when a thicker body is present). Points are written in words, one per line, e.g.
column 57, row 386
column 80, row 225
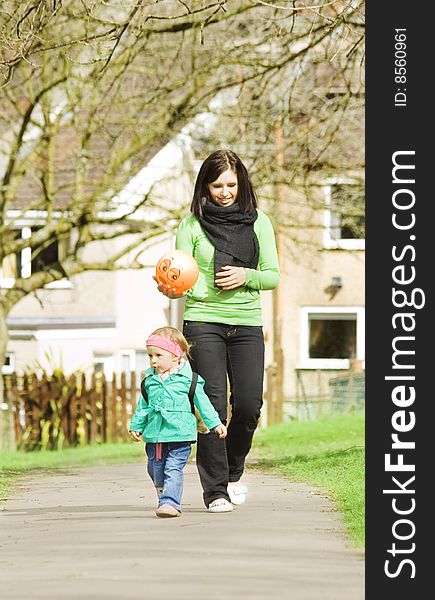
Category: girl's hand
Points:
column 167, row 291
column 231, row 277
column 221, row 430
column 135, row 435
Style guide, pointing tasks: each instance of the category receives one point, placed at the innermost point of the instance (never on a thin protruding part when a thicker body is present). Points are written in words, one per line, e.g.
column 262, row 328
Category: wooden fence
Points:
column 57, row 411
column 273, row 396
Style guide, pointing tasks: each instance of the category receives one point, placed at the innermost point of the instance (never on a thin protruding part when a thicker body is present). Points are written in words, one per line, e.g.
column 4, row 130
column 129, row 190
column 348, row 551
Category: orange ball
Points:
column 178, row 270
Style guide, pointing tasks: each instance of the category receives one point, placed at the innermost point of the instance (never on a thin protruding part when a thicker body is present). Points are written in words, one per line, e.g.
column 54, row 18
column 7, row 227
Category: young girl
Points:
column 234, row 245
column 164, row 418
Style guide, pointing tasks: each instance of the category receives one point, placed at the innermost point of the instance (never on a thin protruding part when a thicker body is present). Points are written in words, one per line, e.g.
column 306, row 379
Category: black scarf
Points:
column 232, row 234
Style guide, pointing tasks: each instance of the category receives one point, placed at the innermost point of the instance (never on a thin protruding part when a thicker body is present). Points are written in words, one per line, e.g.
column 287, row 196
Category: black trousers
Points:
column 218, row 350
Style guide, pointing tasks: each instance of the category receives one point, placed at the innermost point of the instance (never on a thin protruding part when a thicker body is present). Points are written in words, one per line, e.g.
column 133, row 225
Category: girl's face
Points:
column 223, row 190
column 161, row 360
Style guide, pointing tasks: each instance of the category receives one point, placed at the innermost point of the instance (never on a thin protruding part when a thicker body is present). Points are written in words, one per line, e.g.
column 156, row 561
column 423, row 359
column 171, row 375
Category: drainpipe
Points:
column 278, row 357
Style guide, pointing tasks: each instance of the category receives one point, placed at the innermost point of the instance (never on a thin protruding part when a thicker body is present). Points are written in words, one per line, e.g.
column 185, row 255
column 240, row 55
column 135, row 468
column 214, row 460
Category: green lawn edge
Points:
column 327, row 454
column 15, row 465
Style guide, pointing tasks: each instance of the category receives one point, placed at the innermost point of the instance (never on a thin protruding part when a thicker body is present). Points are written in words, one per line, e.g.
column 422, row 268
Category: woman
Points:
column 234, row 246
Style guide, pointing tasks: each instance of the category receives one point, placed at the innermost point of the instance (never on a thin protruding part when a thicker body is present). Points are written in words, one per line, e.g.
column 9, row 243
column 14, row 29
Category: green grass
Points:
column 327, row 453
column 15, row 464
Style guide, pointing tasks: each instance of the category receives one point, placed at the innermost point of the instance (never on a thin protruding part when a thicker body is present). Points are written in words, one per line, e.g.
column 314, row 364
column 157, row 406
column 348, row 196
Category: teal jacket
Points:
column 167, row 416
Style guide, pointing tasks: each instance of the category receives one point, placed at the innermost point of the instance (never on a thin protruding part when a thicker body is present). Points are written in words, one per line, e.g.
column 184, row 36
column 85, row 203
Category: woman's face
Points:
column 223, row 190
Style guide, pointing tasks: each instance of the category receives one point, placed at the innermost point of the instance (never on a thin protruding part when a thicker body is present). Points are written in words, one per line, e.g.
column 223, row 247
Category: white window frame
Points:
column 136, row 363
column 330, row 363
column 330, row 242
column 131, row 357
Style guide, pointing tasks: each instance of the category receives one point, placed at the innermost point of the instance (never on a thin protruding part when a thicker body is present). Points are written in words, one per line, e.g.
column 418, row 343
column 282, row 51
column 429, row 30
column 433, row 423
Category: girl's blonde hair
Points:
column 175, row 335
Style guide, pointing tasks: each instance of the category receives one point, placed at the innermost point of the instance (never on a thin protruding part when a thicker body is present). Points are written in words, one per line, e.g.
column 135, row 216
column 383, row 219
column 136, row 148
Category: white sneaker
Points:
column 237, row 492
column 220, row 505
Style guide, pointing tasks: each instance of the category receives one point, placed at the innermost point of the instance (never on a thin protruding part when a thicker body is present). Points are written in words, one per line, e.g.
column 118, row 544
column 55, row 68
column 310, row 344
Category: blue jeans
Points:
column 167, row 473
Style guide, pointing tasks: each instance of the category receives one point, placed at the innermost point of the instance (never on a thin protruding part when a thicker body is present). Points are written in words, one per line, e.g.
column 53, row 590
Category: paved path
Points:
column 91, row 533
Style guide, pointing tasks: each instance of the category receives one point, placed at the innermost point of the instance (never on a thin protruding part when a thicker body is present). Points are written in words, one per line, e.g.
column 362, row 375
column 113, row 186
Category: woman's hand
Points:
column 167, row 291
column 135, row 435
column 221, row 430
column 231, row 277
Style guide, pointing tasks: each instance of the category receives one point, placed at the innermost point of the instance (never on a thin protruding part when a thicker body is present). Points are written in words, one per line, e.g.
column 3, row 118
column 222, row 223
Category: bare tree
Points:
column 300, row 121
column 92, row 89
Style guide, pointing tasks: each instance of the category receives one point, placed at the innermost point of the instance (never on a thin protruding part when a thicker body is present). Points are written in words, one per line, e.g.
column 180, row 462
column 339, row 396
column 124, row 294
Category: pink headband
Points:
column 163, row 342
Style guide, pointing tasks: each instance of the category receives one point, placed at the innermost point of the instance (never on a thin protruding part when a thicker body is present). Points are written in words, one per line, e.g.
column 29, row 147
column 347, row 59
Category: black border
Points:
column 390, row 129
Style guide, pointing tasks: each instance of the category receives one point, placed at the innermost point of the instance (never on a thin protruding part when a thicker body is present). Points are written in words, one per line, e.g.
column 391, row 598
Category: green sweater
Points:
column 207, row 303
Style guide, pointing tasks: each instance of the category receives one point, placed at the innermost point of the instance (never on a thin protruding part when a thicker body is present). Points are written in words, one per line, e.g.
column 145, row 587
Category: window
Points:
column 104, row 363
column 134, row 360
column 44, row 256
column 126, row 361
column 9, row 364
column 344, row 217
column 331, row 337
column 32, row 258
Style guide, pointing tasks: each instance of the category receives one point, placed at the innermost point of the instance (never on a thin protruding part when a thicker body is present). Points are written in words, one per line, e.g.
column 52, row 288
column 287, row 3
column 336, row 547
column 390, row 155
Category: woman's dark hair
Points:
column 213, row 166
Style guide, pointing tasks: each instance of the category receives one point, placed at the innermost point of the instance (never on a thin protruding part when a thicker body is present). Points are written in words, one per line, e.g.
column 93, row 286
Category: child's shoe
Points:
column 237, row 492
column 220, row 505
column 167, row 510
